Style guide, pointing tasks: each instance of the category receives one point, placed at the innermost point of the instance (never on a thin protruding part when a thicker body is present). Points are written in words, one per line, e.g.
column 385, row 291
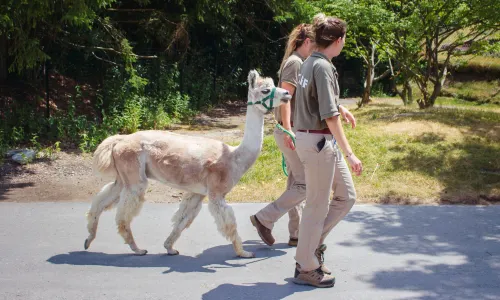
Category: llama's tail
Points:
column 103, row 161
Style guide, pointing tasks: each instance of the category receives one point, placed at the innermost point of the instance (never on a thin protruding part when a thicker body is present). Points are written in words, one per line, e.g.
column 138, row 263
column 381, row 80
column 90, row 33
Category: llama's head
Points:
column 263, row 94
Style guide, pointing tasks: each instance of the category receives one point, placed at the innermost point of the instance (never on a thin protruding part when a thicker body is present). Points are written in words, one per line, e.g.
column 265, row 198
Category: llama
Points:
column 198, row 165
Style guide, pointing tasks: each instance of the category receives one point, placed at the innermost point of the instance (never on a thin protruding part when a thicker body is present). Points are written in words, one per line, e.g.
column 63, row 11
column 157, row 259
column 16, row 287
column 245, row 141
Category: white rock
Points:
column 24, row 156
column 10, row 153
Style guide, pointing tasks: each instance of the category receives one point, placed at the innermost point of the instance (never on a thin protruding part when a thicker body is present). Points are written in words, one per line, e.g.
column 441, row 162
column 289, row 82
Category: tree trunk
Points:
column 370, row 74
column 368, row 85
column 406, row 94
column 409, row 92
column 423, row 103
column 3, row 58
column 214, row 79
column 47, row 96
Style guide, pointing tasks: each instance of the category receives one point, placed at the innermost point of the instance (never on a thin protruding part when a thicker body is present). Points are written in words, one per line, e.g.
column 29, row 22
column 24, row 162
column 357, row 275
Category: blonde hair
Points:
column 296, row 38
column 328, row 29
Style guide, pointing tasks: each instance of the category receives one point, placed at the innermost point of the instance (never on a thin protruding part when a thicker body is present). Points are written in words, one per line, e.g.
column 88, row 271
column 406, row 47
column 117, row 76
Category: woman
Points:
column 319, row 134
column 300, row 45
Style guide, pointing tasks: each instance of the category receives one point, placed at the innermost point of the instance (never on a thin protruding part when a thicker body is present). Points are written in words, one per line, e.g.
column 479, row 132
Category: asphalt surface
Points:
column 377, row 252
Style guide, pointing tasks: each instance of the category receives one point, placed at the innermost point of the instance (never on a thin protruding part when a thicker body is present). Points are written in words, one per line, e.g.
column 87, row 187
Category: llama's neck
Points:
column 248, row 151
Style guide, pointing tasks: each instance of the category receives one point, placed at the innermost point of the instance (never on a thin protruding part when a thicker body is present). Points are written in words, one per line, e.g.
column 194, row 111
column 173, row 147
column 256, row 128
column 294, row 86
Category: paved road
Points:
column 377, row 252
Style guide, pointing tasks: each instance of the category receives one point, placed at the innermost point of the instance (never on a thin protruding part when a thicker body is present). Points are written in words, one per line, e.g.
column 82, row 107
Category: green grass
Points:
column 479, row 91
column 440, row 155
column 475, row 63
column 459, row 103
column 265, row 181
column 470, row 94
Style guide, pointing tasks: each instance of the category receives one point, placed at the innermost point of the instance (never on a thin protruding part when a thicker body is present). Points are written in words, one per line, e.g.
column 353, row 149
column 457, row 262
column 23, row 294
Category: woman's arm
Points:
column 337, row 131
column 286, row 109
column 288, row 79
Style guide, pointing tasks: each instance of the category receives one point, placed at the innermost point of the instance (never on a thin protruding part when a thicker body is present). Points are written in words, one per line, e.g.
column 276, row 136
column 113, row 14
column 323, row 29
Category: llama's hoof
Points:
column 246, row 254
column 86, row 245
column 172, row 252
column 141, row 252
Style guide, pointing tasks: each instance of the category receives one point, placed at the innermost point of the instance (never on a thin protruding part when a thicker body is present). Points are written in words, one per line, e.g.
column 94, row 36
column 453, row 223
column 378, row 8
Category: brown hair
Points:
column 328, row 29
column 296, row 38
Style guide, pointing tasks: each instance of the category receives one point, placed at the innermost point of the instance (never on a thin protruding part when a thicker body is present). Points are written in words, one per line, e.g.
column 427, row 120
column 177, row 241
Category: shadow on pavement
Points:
column 208, row 261
column 257, row 291
column 469, row 236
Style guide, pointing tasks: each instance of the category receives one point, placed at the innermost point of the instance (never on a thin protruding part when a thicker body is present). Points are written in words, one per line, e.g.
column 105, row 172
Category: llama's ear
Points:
column 252, row 78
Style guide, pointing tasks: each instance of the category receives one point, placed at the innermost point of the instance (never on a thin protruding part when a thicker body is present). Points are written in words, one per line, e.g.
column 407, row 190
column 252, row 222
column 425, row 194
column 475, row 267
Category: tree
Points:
column 428, row 33
column 367, row 22
column 31, row 27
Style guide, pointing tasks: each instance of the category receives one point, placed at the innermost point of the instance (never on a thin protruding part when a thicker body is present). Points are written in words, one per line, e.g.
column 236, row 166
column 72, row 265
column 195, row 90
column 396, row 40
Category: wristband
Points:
column 347, row 156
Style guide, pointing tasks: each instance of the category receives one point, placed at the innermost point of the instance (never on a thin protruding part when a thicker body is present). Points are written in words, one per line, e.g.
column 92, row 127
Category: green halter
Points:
column 263, row 101
column 283, row 162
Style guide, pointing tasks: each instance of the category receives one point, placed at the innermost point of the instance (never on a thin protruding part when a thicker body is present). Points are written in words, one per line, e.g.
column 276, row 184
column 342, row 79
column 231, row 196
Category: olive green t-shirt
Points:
column 289, row 74
column 317, row 93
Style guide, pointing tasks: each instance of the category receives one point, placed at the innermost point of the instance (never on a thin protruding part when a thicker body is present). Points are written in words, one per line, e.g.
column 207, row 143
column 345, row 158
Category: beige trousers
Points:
column 292, row 200
column 324, row 169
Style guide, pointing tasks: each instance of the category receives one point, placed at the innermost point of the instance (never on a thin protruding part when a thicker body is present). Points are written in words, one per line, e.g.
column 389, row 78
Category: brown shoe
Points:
column 264, row 232
column 315, row 278
column 293, row 242
column 320, row 255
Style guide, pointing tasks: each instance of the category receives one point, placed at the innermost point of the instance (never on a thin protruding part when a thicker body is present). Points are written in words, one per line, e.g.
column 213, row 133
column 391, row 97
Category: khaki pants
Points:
column 292, row 199
column 324, row 170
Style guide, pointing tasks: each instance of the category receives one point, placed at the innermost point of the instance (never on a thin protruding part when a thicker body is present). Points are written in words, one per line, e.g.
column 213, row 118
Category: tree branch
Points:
column 364, row 58
column 112, row 50
column 383, row 75
column 105, row 60
column 130, row 9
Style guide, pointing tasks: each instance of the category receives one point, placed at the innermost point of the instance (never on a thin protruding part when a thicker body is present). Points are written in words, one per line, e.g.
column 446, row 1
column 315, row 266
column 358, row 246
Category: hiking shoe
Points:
column 315, row 278
column 293, row 242
column 264, row 232
column 320, row 255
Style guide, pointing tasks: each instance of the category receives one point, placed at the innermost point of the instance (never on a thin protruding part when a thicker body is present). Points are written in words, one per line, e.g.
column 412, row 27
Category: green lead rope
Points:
column 283, row 163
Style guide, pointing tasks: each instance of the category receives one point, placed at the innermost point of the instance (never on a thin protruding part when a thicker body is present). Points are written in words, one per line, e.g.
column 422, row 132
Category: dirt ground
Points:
column 69, row 177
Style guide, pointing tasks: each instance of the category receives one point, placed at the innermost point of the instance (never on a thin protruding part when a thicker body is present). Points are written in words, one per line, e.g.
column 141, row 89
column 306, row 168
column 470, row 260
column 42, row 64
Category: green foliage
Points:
column 477, row 91
column 441, row 27
column 32, row 25
column 42, row 152
column 151, row 66
column 441, row 155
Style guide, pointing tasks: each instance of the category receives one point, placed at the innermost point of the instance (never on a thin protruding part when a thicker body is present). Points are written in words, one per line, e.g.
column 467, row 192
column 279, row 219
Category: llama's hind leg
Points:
column 226, row 224
column 189, row 208
column 105, row 199
column 131, row 200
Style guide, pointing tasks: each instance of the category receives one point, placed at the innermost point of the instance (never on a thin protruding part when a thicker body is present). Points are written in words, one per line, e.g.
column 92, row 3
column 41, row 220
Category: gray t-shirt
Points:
column 289, row 74
column 317, row 93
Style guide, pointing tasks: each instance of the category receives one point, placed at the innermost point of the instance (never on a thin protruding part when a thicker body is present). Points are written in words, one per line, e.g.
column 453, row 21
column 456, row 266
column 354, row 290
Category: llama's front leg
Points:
column 226, row 224
column 129, row 207
column 105, row 199
column 189, row 208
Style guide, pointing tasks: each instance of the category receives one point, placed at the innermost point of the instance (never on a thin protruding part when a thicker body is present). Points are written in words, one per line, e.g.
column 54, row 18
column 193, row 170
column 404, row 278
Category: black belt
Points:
column 318, row 131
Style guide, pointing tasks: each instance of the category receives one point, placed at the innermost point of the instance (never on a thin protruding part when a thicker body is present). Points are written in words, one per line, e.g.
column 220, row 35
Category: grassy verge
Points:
column 472, row 94
column 440, row 155
column 459, row 103
column 468, row 63
column 479, row 91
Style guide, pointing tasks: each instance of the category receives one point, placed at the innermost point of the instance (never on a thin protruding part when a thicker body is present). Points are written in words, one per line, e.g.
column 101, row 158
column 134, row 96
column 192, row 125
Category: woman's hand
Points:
column 355, row 163
column 347, row 116
column 289, row 142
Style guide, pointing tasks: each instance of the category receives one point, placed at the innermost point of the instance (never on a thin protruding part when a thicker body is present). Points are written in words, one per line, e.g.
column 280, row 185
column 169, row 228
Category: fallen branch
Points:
column 105, row 60
column 112, row 50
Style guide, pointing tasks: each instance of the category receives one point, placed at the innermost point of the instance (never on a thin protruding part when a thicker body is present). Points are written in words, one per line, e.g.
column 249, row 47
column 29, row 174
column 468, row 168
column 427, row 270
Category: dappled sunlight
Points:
column 433, row 130
column 410, row 156
column 437, row 258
